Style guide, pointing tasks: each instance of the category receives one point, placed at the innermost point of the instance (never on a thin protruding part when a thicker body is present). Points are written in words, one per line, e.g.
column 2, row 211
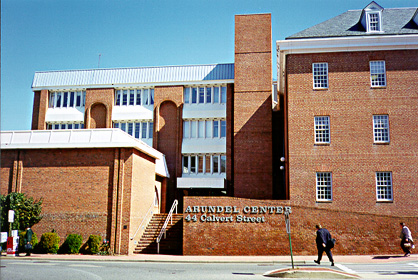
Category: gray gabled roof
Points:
column 395, row 21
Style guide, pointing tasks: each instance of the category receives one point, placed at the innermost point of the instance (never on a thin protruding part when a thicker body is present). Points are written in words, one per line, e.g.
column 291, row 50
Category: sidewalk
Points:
column 222, row 259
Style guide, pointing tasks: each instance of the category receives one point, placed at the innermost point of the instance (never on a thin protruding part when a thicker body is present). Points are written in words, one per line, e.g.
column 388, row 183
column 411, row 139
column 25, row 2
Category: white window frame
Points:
column 145, row 96
column 384, row 186
column 205, row 159
column 322, row 130
column 374, row 21
column 70, row 102
column 60, row 126
column 323, row 186
column 137, row 128
column 205, row 95
column 320, row 75
column 377, row 73
column 381, row 132
column 204, row 129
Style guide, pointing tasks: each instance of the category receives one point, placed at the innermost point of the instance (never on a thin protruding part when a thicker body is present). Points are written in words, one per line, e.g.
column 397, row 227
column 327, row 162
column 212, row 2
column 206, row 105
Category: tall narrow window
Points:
column 201, row 129
column 131, row 97
column 208, row 95
column 137, row 129
column 377, row 73
column 186, row 129
column 208, row 166
column 78, row 99
column 193, row 164
column 194, row 95
column 193, row 129
column 322, row 130
column 150, row 129
column 130, row 128
column 208, row 129
column 138, row 97
column 216, row 95
column 200, row 164
column 201, row 95
column 144, row 130
column 215, row 129
column 384, row 186
column 320, row 75
column 381, row 128
column 59, row 98
column 223, row 128
column 324, row 186
column 223, row 164
column 72, row 99
column 186, row 95
column 151, row 96
column 65, row 100
column 215, row 166
column 373, row 22
column 51, row 100
column 223, row 94
column 185, row 164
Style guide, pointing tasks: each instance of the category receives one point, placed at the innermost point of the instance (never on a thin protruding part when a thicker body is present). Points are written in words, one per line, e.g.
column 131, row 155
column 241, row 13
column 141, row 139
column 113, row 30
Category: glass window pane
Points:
column 115, row 125
column 70, row 126
column 186, row 129
column 51, row 100
column 144, row 130
column 223, row 128
column 215, row 128
column 208, row 129
column 223, row 164
column 56, row 126
column 130, row 128
column 125, row 97
column 84, row 99
column 59, row 98
column 150, row 129
column 117, row 98
column 186, row 95
column 151, row 101
column 145, row 97
column 185, row 164
column 207, row 159
column 208, row 95
column 215, row 160
column 65, row 100
column 138, row 97
column 223, row 94
column 193, row 164
column 137, row 129
column 216, row 95
column 200, row 164
column 76, row 126
column 194, row 95
column 193, row 128
column 201, row 95
column 78, row 100
column 72, row 99
column 132, row 97
column 123, row 126
column 201, row 132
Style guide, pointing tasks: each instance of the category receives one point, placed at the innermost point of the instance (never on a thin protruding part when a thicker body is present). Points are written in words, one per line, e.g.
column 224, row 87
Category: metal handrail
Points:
column 164, row 228
column 143, row 220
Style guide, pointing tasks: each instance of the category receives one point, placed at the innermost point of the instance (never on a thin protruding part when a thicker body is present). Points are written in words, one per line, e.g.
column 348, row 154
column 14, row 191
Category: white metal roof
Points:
column 80, row 138
column 164, row 75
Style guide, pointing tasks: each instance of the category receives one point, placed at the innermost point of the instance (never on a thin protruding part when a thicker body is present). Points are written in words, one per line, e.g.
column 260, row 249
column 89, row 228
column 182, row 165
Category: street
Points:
column 19, row 269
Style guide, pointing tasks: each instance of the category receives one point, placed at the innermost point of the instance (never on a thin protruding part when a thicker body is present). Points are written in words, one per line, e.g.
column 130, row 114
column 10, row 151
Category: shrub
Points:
column 71, row 244
column 49, row 243
column 22, row 235
column 93, row 244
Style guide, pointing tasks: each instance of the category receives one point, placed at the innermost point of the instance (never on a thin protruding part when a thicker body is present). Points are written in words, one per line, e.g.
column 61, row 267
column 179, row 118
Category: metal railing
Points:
column 144, row 219
column 164, row 228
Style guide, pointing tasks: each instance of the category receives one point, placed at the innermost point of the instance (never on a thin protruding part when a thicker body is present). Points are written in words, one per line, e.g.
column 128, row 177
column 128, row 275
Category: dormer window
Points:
column 373, row 22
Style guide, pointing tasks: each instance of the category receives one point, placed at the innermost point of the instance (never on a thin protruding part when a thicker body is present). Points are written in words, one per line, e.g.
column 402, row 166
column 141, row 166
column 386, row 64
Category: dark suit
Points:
column 323, row 237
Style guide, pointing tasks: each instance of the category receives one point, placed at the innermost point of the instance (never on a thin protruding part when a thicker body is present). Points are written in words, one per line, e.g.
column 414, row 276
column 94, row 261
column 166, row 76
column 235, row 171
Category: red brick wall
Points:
column 252, row 127
column 356, row 232
column 352, row 157
column 40, row 106
column 95, row 115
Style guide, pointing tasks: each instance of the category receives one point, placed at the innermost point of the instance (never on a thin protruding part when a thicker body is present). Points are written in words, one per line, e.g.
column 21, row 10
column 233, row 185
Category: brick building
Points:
column 336, row 141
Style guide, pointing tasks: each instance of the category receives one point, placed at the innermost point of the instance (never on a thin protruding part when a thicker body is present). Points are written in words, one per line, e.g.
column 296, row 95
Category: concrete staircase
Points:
column 171, row 245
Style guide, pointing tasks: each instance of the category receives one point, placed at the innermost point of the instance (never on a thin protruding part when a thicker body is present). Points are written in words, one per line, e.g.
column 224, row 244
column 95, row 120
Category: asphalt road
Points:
column 20, row 269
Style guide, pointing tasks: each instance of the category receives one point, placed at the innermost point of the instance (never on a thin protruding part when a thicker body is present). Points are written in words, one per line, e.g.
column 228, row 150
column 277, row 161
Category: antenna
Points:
column 98, row 64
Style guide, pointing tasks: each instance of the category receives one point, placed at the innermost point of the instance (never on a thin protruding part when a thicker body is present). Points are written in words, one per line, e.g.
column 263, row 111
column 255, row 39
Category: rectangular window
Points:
column 193, row 164
column 65, row 100
column 130, row 128
column 223, row 128
column 322, row 130
column 76, row 126
column 215, row 129
column 186, row 95
column 185, row 164
column 186, row 129
column 324, row 186
column 72, row 99
column 150, row 129
column 137, row 129
column 215, row 165
column 138, row 97
column 132, row 97
column 151, row 96
column 373, row 22
column 201, row 95
column 216, row 95
column 194, row 95
column 123, row 126
column 208, row 95
column 223, row 164
column 223, row 94
column 208, row 129
column 125, row 97
column 207, row 159
column 381, row 128
column 144, row 130
column 377, row 73
column 320, row 75
column 384, row 186
column 200, row 160
column 59, row 98
column 116, row 125
column 201, row 129
column 193, row 129
column 84, row 99
column 78, row 99
column 145, row 97
column 70, row 126
column 51, row 100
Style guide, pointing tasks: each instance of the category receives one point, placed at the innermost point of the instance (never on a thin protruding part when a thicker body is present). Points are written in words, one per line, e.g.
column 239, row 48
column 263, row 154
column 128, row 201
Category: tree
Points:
column 27, row 211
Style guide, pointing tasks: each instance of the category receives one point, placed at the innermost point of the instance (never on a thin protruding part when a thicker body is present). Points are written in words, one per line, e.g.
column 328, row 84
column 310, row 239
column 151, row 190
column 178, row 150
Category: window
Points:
column 204, row 129
column 204, row 164
column 322, row 130
column 186, row 95
column 384, row 186
column 323, row 186
column 205, row 95
column 134, row 97
column 143, row 130
column 381, row 128
column 377, row 73
column 56, row 126
column 373, row 22
column 320, row 75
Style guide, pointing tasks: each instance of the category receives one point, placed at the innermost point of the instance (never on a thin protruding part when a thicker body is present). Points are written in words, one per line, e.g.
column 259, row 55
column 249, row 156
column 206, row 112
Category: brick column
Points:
column 40, row 106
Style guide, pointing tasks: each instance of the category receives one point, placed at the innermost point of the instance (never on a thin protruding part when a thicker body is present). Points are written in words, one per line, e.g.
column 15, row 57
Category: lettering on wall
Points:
column 232, row 214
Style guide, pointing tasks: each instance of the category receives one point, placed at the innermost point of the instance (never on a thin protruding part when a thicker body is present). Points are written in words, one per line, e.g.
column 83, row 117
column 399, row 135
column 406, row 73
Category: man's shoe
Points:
column 318, row 262
column 407, row 255
column 332, row 264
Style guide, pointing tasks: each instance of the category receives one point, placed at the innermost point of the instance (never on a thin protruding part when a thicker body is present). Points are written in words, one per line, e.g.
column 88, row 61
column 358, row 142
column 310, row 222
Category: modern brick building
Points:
column 334, row 139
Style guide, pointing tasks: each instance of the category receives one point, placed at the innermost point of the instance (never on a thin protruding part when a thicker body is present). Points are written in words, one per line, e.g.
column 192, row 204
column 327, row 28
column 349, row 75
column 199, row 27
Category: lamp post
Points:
column 287, row 220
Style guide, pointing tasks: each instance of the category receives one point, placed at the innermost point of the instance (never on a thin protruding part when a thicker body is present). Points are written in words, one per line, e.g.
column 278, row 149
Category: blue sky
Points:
column 42, row 35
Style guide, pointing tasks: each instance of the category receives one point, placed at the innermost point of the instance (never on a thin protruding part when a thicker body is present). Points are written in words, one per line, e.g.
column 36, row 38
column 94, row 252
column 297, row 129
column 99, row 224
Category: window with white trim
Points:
column 373, row 22
column 378, row 73
column 134, row 97
column 67, row 99
column 204, row 164
column 384, row 186
column 204, row 95
column 57, row 126
column 322, row 130
column 139, row 130
column 204, row 129
column 320, row 75
column 381, row 129
column 324, row 186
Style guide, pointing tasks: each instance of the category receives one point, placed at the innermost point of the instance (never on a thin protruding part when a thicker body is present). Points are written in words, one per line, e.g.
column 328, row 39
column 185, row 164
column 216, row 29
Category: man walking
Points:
column 323, row 243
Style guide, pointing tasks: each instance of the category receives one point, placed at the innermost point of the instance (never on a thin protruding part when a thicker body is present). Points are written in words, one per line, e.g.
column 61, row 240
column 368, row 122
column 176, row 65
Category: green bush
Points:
column 49, row 243
column 22, row 235
column 71, row 244
column 93, row 244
